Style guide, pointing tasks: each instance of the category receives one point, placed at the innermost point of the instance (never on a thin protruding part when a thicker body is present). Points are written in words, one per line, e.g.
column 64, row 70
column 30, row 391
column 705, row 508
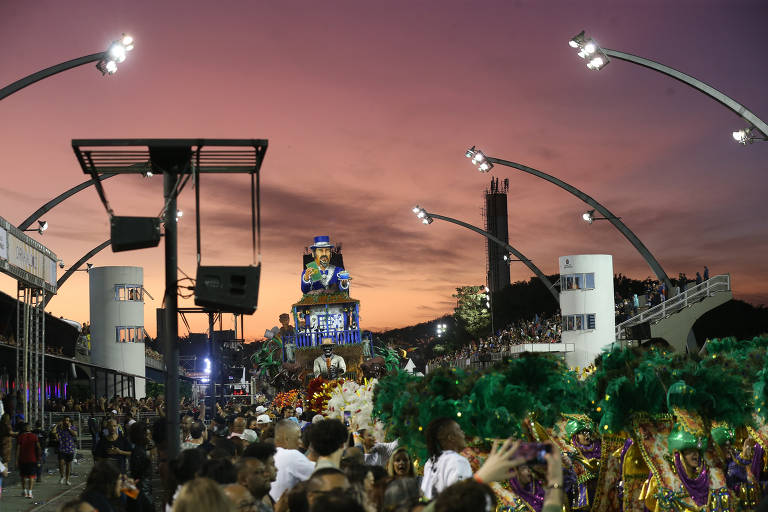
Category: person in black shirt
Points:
column 101, row 487
column 140, row 468
column 113, row 446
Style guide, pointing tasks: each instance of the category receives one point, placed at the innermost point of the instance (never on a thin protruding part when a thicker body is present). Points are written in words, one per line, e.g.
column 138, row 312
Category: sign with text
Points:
column 26, row 259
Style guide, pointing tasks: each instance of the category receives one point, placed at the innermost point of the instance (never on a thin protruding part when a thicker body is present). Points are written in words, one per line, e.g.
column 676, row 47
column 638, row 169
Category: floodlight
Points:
column 421, row 214
column 43, row 226
column 485, row 167
column 110, row 67
column 416, row 209
column 127, row 41
column 487, row 289
column 590, row 48
column 478, row 157
column 88, row 266
column 427, row 220
column 577, row 41
column 588, row 216
column 742, row 136
column 470, row 152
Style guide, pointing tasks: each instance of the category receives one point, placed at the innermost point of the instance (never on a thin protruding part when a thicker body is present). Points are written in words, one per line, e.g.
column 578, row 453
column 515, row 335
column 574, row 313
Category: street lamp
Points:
column 616, row 221
column 427, row 218
column 589, row 217
column 597, row 58
column 41, row 227
column 441, row 330
column 590, row 51
column 422, row 214
column 115, row 54
column 106, row 62
column 478, row 159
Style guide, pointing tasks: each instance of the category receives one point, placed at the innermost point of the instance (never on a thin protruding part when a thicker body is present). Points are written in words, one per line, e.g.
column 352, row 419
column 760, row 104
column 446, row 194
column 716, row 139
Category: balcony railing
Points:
column 313, row 338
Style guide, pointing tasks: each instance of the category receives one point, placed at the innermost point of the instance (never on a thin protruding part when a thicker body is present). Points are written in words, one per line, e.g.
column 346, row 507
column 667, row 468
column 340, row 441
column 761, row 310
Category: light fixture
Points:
column 88, row 266
column 116, row 53
column 41, row 227
column 422, row 214
column 589, row 50
column 748, row 135
column 61, row 263
column 479, row 159
column 588, row 216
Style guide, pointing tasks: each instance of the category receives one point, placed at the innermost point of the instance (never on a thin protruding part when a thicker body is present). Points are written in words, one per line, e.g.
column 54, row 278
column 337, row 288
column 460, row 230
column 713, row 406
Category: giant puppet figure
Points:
column 328, row 364
column 320, row 275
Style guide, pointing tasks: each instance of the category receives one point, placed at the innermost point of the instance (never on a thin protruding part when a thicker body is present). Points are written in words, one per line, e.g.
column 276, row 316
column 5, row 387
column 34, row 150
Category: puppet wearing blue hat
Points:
column 320, row 274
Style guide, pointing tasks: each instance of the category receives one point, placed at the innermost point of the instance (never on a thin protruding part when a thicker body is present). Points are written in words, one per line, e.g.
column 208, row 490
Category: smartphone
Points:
column 347, row 415
column 533, row 453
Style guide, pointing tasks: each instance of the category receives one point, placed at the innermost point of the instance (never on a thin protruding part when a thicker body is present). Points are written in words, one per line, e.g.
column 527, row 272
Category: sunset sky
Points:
column 368, row 108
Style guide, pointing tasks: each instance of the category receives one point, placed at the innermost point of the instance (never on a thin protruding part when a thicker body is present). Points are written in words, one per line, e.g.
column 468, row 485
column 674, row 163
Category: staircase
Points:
column 673, row 319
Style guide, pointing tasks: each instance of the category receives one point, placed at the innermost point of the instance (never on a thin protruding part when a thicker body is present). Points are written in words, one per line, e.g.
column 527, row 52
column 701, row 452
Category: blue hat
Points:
column 321, row 241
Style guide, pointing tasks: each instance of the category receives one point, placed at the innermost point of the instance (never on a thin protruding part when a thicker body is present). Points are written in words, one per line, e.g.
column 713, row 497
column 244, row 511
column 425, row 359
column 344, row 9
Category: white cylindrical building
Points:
column 117, row 325
column 586, row 305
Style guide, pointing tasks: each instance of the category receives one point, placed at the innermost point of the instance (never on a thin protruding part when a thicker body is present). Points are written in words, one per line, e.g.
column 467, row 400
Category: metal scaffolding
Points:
column 30, row 350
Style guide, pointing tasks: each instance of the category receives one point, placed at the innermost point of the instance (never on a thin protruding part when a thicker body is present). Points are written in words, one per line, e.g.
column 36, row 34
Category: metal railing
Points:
column 313, row 338
column 716, row 284
column 80, row 422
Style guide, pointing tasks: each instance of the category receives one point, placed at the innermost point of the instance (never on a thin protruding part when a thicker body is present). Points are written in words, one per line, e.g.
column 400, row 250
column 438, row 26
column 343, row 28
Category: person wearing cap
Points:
column 263, row 421
column 321, row 275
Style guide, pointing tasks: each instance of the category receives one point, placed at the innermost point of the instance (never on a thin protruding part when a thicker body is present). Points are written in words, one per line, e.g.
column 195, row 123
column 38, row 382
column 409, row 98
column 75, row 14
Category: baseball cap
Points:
column 261, row 409
column 263, row 419
column 249, row 436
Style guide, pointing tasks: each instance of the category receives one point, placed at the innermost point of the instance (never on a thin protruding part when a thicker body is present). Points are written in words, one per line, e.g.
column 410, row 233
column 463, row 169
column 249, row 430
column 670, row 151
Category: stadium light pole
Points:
column 485, row 163
column 597, row 58
column 107, row 62
column 428, row 217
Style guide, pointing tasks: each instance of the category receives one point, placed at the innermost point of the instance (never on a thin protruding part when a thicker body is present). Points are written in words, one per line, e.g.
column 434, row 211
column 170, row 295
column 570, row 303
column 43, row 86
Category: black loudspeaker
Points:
column 129, row 233
column 228, row 289
column 640, row 331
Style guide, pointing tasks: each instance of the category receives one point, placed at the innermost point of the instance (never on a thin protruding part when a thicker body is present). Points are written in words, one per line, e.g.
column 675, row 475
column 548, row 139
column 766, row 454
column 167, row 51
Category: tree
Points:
column 471, row 311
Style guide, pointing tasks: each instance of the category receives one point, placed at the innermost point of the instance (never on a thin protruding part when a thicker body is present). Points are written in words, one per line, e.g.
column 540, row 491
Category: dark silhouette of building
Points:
column 496, row 223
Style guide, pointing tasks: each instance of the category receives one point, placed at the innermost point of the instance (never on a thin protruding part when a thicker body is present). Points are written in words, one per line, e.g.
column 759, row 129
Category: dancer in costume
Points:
column 686, row 482
column 329, row 365
column 320, row 274
column 738, row 471
column 580, row 433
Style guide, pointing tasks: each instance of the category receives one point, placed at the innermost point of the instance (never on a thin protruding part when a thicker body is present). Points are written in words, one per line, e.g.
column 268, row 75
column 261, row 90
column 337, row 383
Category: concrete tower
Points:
column 117, row 325
column 586, row 305
column 496, row 224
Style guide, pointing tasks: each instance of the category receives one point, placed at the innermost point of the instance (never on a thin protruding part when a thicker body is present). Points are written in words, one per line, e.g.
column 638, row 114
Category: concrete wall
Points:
column 584, row 298
column 108, row 313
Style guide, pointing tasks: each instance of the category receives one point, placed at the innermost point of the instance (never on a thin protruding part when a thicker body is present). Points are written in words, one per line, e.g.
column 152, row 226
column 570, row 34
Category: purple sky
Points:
column 369, row 107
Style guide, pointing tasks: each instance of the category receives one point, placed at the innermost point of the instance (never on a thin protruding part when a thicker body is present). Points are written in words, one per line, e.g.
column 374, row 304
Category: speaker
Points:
column 129, row 233
column 640, row 331
column 228, row 289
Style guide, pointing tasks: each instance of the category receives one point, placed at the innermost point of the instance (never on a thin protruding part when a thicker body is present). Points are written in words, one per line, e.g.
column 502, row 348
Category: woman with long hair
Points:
column 400, row 464
column 101, row 488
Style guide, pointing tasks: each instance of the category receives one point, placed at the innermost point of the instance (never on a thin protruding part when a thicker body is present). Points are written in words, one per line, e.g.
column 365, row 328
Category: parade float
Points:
column 326, row 341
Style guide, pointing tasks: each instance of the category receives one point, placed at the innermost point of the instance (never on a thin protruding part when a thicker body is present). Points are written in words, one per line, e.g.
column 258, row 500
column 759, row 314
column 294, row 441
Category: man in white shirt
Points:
column 445, row 465
column 292, row 466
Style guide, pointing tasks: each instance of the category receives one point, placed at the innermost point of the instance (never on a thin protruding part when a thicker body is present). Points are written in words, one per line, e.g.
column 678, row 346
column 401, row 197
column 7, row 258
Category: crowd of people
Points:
column 540, row 329
column 263, row 458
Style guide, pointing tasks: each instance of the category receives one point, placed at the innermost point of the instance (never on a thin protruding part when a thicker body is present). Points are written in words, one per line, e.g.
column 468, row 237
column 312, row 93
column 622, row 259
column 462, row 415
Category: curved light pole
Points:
column 485, row 164
column 58, row 199
column 597, row 58
column 63, row 279
column 427, row 218
column 107, row 64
